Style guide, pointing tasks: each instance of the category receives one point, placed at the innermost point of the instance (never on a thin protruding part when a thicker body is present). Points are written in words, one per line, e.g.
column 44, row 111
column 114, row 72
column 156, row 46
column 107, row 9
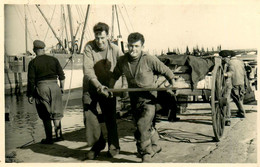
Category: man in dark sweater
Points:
column 141, row 70
column 42, row 86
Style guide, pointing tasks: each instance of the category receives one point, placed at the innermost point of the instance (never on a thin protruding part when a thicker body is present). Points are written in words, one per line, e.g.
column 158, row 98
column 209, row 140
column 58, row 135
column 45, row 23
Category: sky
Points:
column 164, row 25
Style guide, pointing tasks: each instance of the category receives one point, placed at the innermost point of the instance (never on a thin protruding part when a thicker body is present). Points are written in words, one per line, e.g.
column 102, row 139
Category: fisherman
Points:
column 99, row 60
column 236, row 81
column 42, row 86
column 140, row 70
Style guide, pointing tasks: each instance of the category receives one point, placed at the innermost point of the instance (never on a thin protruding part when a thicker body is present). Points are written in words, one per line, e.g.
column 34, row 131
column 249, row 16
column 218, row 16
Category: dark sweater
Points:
column 43, row 67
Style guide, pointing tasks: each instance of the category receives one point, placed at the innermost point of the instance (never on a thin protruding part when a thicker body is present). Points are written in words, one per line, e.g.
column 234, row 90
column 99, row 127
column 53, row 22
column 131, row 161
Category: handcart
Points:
column 213, row 92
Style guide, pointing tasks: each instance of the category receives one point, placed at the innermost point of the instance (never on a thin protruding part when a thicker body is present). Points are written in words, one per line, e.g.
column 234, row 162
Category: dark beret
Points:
column 37, row 44
column 226, row 53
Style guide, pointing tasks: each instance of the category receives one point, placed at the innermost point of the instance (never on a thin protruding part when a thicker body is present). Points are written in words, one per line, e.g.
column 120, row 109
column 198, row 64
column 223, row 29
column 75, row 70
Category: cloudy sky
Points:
column 231, row 24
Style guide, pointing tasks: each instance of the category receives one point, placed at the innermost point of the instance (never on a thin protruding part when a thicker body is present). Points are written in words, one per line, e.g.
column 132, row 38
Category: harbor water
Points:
column 23, row 126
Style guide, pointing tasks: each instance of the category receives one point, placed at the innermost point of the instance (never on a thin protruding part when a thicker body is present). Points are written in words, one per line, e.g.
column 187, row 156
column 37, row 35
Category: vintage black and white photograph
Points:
column 130, row 82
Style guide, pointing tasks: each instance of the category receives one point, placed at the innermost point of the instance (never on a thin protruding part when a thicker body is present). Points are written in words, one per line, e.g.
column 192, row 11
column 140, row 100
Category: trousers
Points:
column 48, row 100
column 146, row 135
column 92, row 120
column 237, row 94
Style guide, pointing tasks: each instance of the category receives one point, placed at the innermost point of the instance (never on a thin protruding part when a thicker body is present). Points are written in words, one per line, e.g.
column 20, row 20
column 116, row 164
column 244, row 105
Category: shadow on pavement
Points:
column 125, row 128
column 57, row 150
column 103, row 157
column 77, row 135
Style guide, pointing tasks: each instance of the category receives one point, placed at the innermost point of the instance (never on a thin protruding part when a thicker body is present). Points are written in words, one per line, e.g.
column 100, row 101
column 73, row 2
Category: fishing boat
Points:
column 64, row 40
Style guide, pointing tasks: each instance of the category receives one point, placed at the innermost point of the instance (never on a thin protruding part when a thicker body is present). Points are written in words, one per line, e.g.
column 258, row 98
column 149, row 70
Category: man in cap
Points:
column 141, row 70
column 43, row 72
column 235, row 81
column 99, row 59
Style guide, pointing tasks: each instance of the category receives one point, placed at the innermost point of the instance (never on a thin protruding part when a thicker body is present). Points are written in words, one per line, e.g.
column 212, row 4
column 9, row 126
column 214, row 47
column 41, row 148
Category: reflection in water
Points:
column 24, row 125
column 23, row 122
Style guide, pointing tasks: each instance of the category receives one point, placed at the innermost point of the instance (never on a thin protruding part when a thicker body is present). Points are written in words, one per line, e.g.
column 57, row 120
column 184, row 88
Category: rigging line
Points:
column 82, row 15
column 26, row 28
column 61, row 25
column 79, row 13
column 88, row 32
column 129, row 18
column 71, row 58
column 65, row 26
column 118, row 22
column 32, row 21
column 52, row 8
column 50, row 23
column 19, row 13
column 124, row 20
column 87, row 29
column 62, row 29
column 72, row 64
column 65, row 21
column 84, row 28
column 112, row 26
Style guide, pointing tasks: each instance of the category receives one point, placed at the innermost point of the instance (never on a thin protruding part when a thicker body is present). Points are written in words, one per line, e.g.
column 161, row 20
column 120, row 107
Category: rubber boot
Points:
column 58, row 131
column 48, row 132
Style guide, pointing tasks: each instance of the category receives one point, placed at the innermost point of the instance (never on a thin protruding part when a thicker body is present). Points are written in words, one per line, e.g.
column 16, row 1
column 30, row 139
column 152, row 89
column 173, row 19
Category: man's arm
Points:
column 62, row 85
column 116, row 74
column 124, row 81
column 88, row 67
column 61, row 76
column 30, row 82
column 162, row 69
column 246, row 82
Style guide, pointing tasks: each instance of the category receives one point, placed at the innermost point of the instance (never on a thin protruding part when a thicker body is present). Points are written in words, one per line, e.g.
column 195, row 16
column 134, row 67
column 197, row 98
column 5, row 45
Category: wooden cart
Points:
column 215, row 96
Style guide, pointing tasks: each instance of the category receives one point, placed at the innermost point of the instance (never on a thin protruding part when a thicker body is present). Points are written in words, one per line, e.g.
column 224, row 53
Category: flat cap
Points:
column 37, row 44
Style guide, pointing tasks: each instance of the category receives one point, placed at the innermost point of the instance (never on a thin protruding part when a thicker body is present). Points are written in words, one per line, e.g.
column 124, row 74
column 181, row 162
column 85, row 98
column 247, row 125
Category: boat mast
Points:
column 25, row 16
column 84, row 28
column 71, row 29
column 119, row 36
column 60, row 42
column 112, row 29
column 66, row 31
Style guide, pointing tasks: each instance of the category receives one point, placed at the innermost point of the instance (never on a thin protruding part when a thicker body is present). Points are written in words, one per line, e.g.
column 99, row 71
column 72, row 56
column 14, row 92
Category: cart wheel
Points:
column 218, row 102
